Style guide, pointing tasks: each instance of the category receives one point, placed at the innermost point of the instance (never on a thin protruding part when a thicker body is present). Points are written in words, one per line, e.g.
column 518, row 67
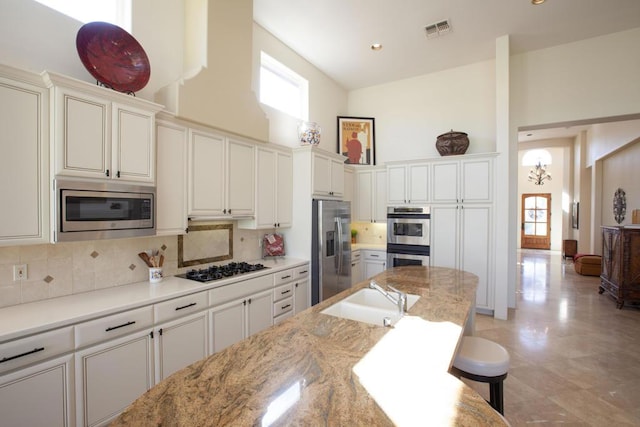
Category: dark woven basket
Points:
column 452, row 143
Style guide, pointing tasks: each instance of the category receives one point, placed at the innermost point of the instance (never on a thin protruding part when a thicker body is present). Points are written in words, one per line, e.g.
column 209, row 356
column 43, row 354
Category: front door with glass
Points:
column 536, row 221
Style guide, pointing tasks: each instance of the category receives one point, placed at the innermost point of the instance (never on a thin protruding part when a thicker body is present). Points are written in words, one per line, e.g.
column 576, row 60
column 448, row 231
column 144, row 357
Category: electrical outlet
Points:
column 20, row 272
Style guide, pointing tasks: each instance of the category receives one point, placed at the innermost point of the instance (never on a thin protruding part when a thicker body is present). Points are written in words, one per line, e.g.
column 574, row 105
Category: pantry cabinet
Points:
column 274, row 190
column 24, row 164
column 371, row 198
column 462, row 219
column 408, row 184
column 221, row 176
column 461, row 238
column 100, row 133
column 171, row 183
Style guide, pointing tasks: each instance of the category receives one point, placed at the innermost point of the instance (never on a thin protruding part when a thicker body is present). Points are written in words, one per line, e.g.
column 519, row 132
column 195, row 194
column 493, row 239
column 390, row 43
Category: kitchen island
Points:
column 317, row 369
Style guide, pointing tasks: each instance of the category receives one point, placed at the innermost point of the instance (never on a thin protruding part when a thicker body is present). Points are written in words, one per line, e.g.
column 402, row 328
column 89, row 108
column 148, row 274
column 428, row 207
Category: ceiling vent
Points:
column 438, row 29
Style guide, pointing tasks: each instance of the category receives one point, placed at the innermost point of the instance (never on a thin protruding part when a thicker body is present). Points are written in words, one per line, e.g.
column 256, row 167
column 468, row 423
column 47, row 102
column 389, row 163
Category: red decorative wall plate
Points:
column 113, row 56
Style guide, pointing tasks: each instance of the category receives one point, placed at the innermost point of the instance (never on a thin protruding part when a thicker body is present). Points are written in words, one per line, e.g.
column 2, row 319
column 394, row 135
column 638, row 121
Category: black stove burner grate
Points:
column 217, row 272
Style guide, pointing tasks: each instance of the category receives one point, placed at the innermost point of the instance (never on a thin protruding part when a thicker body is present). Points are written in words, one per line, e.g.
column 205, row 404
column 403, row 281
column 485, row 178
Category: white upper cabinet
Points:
column 221, row 176
column 371, row 200
column 327, row 174
column 24, row 164
column 408, row 183
column 171, row 182
column 100, row 133
column 274, row 190
column 463, row 181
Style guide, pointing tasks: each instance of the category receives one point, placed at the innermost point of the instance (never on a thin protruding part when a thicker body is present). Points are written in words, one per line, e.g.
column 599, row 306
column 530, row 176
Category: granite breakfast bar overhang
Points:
column 316, row 369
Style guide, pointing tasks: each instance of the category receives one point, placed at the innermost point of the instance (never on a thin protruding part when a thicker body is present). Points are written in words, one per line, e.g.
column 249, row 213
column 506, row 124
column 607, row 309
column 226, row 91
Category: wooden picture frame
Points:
column 357, row 140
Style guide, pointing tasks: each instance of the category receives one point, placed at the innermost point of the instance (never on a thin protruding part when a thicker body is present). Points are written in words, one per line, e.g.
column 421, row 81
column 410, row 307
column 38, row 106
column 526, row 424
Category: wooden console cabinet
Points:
column 621, row 263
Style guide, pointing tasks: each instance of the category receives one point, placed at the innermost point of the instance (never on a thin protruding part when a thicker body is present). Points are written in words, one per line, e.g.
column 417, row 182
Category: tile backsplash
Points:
column 370, row 232
column 55, row 270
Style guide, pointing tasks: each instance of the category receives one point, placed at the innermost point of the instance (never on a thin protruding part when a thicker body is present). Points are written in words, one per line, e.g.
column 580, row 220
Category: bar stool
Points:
column 479, row 359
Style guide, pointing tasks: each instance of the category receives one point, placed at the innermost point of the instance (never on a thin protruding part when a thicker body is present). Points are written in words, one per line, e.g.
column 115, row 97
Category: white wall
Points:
column 411, row 113
column 36, row 38
column 621, row 170
column 588, row 79
column 606, row 138
column 326, row 98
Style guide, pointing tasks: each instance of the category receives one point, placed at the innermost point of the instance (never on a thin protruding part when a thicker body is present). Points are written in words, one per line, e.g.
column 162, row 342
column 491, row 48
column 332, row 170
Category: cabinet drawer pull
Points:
column 285, row 292
column 186, row 306
column 111, row 328
column 35, row 350
column 374, row 256
column 286, row 277
column 303, row 272
column 285, row 306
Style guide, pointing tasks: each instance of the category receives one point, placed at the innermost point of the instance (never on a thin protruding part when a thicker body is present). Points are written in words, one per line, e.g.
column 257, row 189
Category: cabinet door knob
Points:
column 118, row 174
column 107, row 172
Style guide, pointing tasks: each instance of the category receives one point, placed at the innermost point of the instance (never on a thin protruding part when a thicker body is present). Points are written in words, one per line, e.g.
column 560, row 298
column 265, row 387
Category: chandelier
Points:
column 538, row 175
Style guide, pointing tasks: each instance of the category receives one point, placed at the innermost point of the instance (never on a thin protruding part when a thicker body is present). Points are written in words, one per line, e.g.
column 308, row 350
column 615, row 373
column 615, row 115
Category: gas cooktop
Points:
column 217, row 272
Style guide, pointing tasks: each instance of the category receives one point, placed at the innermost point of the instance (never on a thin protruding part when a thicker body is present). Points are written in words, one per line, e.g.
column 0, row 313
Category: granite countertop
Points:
column 316, row 369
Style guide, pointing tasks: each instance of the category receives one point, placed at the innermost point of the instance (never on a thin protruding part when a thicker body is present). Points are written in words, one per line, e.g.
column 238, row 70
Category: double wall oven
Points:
column 408, row 235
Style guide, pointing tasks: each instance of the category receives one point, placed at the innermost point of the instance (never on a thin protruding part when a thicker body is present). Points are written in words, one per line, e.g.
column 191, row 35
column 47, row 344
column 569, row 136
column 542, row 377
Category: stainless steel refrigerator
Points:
column 330, row 249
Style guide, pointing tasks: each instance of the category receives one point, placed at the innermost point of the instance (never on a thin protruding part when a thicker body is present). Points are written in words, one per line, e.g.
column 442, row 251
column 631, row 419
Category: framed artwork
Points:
column 575, row 215
column 357, row 140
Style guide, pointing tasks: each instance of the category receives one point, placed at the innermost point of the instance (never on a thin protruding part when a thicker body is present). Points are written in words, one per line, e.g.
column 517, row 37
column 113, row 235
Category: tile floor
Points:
column 575, row 358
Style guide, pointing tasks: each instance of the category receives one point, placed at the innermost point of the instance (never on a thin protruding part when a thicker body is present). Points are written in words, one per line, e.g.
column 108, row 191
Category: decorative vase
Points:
column 452, row 143
column 309, row 133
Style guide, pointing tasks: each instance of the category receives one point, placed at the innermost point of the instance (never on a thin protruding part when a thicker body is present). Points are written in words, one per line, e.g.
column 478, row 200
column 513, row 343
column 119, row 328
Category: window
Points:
column 117, row 12
column 533, row 157
column 283, row 89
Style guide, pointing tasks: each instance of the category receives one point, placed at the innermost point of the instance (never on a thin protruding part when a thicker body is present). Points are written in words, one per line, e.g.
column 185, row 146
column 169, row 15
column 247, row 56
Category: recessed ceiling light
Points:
column 376, row 46
column 537, row 1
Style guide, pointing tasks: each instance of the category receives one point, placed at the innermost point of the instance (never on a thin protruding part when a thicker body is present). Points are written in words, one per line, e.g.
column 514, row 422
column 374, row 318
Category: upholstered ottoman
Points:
column 587, row 265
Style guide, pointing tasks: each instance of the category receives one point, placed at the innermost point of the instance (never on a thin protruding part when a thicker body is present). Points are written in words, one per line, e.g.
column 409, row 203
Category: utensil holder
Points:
column 155, row 274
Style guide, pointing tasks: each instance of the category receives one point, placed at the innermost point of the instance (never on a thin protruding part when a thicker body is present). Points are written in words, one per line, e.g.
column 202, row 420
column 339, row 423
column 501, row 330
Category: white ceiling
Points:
column 336, row 35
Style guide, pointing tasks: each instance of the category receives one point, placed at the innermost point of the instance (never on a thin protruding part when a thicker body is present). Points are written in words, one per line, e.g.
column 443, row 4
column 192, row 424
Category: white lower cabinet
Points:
column 36, row 380
column 238, row 319
column 461, row 238
column 356, row 267
column 114, row 364
column 239, row 311
column 375, row 262
column 180, row 333
column 301, row 289
column 40, row 395
column 110, row 376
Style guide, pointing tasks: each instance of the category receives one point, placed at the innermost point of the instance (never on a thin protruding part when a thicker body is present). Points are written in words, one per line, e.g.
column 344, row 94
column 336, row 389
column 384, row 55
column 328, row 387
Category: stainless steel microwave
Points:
column 93, row 210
